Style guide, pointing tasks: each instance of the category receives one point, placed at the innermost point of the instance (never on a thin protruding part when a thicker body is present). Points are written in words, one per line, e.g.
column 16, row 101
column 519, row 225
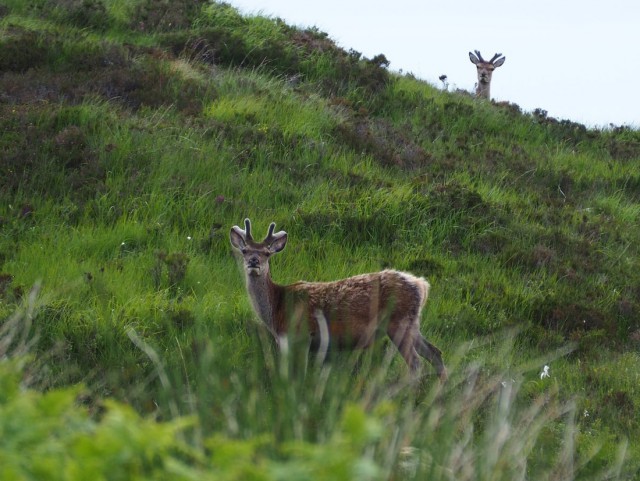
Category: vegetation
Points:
column 136, row 133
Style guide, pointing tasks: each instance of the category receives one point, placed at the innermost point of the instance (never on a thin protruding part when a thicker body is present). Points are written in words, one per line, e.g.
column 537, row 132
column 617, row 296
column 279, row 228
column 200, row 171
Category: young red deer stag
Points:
column 485, row 70
column 345, row 313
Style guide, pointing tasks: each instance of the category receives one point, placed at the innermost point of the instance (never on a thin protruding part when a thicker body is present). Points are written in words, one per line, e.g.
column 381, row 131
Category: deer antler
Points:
column 247, row 230
column 479, row 55
column 495, row 57
column 271, row 236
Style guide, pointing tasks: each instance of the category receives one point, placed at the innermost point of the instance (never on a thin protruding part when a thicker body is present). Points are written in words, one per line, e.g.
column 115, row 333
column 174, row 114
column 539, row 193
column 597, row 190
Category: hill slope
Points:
column 135, row 134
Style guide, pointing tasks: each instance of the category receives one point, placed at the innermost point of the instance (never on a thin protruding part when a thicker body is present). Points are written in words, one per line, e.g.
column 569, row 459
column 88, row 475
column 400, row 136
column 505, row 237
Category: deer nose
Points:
column 253, row 263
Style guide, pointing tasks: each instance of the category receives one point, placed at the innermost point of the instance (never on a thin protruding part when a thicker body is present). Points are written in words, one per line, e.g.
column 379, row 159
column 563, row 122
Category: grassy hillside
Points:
column 135, row 134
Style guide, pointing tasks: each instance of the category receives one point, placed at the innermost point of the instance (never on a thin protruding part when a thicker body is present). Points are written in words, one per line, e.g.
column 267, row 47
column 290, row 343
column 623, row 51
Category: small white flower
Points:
column 122, row 244
column 545, row 372
column 586, row 413
column 188, row 237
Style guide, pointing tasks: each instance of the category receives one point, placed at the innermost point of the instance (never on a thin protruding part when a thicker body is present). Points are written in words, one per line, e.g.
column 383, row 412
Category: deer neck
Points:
column 483, row 89
column 264, row 295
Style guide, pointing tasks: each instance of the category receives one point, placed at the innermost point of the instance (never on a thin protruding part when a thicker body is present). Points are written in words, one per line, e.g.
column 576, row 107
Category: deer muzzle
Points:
column 253, row 267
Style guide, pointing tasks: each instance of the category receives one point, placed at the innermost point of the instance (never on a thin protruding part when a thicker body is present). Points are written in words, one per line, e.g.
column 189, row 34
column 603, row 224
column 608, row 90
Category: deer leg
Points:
column 403, row 338
column 432, row 354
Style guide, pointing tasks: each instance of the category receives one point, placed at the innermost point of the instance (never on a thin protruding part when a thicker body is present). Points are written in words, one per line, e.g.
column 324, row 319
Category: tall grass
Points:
column 356, row 417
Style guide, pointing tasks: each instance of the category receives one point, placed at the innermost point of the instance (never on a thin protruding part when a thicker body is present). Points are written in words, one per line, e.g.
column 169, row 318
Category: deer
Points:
column 485, row 70
column 347, row 313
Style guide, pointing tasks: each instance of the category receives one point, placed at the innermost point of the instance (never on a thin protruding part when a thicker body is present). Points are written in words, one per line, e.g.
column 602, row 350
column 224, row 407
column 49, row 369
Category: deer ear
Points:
column 499, row 62
column 473, row 58
column 237, row 237
column 279, row 241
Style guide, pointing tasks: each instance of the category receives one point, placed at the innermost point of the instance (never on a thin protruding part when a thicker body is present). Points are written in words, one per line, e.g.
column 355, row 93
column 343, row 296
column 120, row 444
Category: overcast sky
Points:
column 577, row 59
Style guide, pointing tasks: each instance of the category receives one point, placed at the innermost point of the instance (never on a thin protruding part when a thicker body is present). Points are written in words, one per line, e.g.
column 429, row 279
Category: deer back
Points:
column 354, row 307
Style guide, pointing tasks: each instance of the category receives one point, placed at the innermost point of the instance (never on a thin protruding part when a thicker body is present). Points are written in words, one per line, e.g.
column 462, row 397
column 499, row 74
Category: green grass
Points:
column 136, row 134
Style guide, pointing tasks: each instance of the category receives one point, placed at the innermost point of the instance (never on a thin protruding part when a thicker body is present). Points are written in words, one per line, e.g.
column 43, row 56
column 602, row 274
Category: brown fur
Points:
column 354, row 309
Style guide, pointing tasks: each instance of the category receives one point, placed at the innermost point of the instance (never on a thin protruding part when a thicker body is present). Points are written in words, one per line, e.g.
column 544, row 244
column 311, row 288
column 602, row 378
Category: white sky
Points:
column 577, row 59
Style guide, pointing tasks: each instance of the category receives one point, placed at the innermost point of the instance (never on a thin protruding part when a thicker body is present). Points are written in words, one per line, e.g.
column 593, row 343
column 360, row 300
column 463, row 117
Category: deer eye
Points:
column 243, row 250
